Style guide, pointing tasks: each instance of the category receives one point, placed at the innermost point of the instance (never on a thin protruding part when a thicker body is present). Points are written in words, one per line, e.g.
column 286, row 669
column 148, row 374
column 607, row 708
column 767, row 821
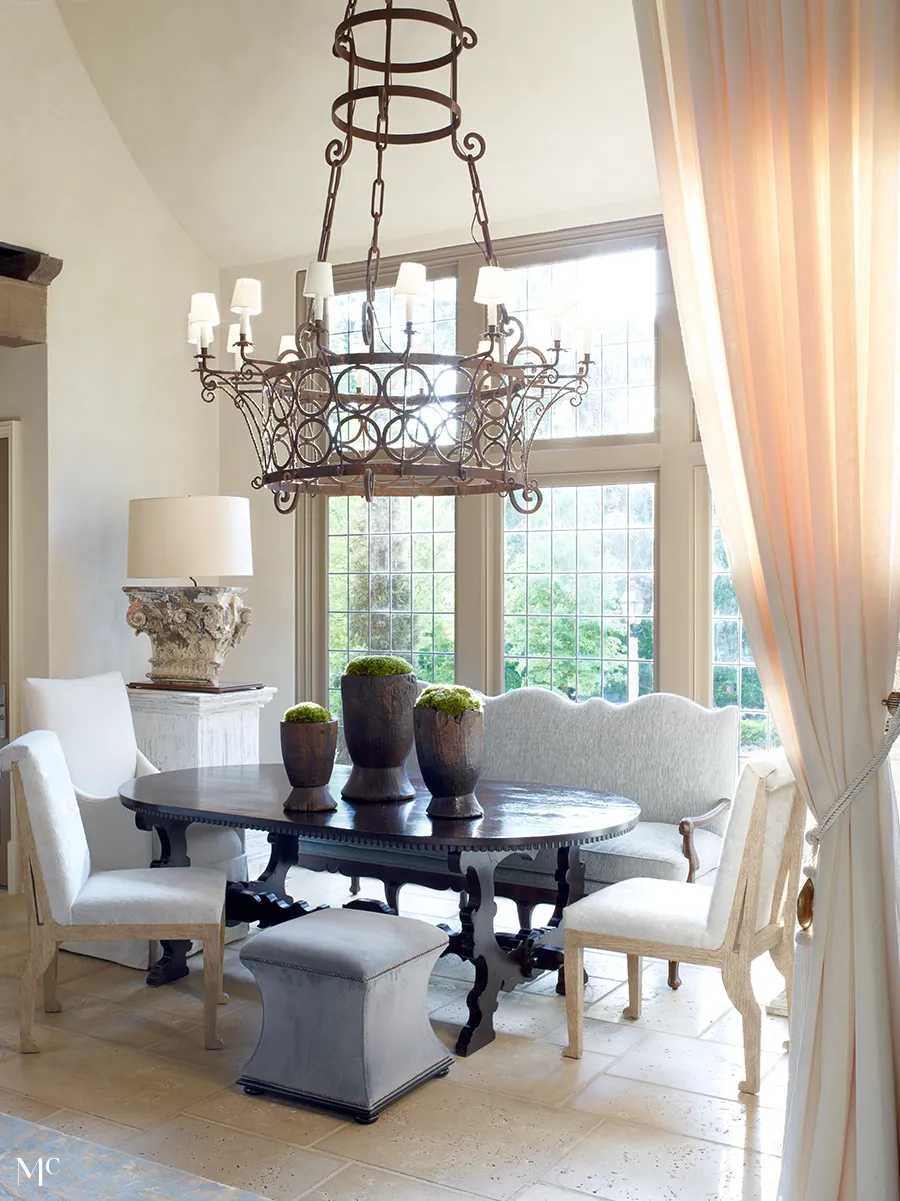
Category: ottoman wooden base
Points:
column 345, row 1013
column 255, row 1088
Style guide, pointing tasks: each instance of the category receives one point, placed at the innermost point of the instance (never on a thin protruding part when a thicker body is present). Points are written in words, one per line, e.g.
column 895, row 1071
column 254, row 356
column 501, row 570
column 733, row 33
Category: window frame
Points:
column 672, row 456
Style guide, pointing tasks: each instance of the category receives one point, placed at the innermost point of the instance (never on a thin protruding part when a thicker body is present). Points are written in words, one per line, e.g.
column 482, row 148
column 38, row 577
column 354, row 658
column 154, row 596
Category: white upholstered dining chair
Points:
column 65, row 899
column 92, row 718
column 748, row 910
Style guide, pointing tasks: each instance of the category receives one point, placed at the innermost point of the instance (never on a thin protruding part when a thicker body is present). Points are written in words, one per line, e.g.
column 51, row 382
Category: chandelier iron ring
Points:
column 462, row 38
column 349, row 99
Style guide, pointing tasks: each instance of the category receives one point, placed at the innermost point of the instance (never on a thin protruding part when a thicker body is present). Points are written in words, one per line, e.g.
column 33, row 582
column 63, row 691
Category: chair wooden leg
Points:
column 51, row 1000
column 738, row 986
column 674, row 977
column 37, row 963
column 635, row 1000
column 212, row 985
column 782, row 955
column 223, row 995
column 574, row 967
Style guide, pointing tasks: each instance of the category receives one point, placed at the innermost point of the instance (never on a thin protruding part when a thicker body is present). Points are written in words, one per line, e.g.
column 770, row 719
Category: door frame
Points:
column 11, row 432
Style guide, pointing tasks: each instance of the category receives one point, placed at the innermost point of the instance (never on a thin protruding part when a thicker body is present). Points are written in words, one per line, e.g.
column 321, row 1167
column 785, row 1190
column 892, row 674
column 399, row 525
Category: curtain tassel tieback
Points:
column 892, row 731
column 849, row 795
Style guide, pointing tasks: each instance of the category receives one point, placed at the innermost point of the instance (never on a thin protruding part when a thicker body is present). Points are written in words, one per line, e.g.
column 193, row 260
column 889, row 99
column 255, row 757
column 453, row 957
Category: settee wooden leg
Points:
column 524, row 911
column 354, row 885
column 674, row 977
column 392, row 895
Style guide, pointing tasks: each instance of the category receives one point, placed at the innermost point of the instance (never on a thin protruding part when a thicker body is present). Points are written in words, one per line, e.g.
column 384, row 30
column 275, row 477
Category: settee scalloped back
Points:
column 672, row 756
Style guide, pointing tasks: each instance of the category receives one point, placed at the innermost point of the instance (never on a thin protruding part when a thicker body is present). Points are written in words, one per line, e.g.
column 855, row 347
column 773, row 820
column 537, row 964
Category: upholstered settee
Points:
column 677, row 759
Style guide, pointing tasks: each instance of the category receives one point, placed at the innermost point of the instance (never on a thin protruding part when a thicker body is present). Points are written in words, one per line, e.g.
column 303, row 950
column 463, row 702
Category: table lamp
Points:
column 191, row 629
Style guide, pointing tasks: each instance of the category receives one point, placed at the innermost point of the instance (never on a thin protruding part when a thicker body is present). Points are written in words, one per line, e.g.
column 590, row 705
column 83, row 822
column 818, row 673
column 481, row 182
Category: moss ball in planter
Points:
column 378, row 665
column 307, row 711
column 452, row 699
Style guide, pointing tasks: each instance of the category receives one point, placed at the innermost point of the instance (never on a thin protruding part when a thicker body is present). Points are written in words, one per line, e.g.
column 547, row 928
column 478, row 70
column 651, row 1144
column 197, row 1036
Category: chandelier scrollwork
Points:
column 376, row 420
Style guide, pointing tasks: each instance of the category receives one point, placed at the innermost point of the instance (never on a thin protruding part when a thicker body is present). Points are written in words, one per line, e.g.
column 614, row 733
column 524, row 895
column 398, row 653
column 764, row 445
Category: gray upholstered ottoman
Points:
column 345, row 1014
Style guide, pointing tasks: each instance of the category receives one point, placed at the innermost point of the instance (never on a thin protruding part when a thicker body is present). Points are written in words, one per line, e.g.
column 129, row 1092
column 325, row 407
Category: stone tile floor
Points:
column 651, row 1113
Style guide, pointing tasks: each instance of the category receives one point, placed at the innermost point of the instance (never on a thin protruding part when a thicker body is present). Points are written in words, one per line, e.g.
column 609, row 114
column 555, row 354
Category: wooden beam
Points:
column 23, row 313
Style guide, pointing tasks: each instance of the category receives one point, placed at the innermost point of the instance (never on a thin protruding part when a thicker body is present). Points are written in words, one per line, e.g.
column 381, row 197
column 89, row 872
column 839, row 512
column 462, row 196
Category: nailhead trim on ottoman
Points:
column 345, row 1013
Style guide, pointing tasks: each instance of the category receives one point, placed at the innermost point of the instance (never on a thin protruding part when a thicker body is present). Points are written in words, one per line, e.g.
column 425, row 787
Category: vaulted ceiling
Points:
column 225, row 105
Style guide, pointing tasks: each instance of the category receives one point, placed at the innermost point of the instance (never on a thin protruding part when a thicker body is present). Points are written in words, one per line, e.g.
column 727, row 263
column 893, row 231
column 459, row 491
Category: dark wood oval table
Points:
column 519, row 819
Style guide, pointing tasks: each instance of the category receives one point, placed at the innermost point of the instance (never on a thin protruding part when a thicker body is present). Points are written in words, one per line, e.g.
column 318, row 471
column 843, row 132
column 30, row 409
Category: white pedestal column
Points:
column 198, row 729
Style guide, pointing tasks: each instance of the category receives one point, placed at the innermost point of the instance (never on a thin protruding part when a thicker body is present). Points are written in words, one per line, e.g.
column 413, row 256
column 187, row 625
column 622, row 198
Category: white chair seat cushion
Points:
column 151, row 896
column 662, row 911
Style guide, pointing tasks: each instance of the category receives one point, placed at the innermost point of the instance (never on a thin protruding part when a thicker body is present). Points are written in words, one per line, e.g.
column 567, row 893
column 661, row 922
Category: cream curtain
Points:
column 776, row 126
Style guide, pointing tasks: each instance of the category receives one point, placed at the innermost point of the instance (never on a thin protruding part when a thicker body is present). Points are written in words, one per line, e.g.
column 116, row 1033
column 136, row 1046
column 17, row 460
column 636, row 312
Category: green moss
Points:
column 307, row 711
column 452, row 699
column 378, row 665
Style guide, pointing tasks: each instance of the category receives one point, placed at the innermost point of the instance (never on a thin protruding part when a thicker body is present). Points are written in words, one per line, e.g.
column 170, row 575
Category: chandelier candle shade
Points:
column 380, row 420
column 191, row 629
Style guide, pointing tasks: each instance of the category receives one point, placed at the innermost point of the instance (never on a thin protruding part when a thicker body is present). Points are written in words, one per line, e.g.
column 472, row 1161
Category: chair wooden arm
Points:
column 686, row 828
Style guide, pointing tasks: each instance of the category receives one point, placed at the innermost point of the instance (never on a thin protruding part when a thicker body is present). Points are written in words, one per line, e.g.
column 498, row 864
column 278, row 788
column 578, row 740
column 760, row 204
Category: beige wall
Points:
column 268, row 652
column 124, row 416
column 23, row 395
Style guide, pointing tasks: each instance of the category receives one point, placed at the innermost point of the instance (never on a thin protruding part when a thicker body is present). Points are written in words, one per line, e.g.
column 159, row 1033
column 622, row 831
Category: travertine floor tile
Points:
column 691, row 1009
column 19, row 1106
column 552, row 1192
column 114, row 1082
column 359, row 1183
column 137, row 1023
column 742, row 1123
column 86, row 1126
column 636, row 1163
column 517, row 1012
column 299, row 1125
column 673, row 1061
column 606, row 1038
column 523, row 1067
column 242, row 1160
column 729, row 1029
column 463, row 1138
column 239, row 1030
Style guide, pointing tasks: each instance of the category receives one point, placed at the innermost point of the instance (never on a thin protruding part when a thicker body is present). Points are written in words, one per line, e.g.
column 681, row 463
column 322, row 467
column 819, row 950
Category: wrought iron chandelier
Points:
column 378, row 420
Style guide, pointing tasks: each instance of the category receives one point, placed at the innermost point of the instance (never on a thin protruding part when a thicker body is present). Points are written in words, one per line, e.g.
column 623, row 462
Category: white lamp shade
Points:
column 319, row 280
column 204, row 309
column 171, row 537
column 288, row 343
column 412, row 280
column 491, row 286
column 247, row 295
column 194, row 328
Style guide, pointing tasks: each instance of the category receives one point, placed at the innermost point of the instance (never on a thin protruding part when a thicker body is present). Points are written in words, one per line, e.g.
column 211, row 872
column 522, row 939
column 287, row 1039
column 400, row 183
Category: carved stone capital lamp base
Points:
column 191, row 630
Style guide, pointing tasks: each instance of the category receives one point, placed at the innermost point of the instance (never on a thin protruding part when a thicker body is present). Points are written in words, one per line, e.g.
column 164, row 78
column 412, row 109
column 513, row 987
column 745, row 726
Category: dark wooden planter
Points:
column 308, row 749
column 378, row 730
column 450, row 752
